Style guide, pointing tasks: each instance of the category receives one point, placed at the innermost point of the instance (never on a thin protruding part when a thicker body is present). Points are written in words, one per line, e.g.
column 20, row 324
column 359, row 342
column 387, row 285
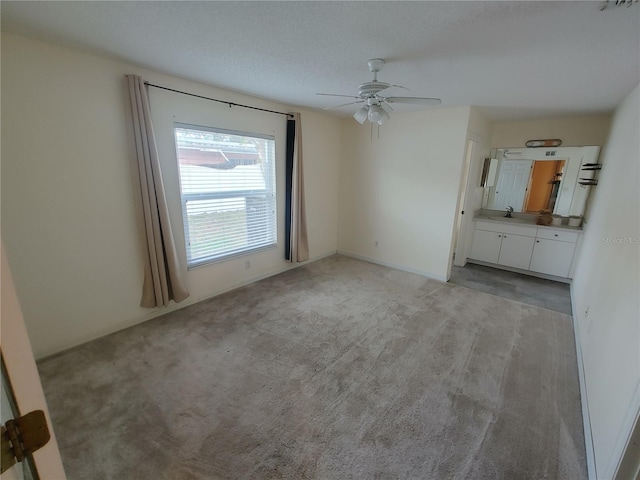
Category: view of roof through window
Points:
column 227, row 184
column 216, row 150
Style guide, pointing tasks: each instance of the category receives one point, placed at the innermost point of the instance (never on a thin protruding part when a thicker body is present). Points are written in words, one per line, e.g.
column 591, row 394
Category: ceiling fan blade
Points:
column 343, row 105
column 414, row 100
column 337, row 95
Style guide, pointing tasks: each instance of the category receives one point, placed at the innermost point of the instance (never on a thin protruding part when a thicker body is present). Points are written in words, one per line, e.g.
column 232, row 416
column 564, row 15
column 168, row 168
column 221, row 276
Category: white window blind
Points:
column 227, row 187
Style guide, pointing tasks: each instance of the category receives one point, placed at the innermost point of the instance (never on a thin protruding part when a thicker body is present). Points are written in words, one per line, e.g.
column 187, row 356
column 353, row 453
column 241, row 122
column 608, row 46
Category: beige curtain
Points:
column 162, row 281
column 299, row 243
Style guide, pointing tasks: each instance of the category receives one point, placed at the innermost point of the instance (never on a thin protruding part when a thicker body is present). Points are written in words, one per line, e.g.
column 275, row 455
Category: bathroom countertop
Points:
column 519, row 219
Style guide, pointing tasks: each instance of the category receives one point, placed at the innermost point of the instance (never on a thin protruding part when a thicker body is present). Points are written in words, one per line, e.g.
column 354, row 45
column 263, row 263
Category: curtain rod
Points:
column 231, row 104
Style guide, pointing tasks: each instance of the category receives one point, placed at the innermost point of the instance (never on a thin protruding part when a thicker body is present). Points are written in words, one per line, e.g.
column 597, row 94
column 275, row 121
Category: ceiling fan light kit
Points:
column 375, row 114
column 377, row 106
column 362, row 114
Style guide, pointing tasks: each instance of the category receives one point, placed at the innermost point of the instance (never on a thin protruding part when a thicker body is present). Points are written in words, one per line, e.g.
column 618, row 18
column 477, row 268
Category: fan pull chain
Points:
column 371, row 131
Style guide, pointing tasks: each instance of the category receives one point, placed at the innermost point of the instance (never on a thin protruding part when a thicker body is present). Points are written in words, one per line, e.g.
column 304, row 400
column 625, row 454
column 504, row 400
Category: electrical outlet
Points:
column 247, row 265
column 377, row 243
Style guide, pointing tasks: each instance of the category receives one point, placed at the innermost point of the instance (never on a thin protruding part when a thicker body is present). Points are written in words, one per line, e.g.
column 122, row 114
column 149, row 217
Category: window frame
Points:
column 270, row 191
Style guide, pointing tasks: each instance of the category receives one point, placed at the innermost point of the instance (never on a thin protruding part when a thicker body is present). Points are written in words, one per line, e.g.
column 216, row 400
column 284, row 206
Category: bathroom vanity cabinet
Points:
column 541, row 250
column 553, row 252
column 508, row 245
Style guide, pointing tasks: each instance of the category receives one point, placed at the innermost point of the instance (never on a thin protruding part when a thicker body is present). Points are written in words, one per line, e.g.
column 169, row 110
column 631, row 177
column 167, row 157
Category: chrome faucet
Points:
column 509, row 211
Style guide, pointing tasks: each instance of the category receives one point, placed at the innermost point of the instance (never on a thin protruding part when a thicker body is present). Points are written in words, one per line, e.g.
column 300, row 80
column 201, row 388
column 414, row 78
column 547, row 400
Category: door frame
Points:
column 461, row 230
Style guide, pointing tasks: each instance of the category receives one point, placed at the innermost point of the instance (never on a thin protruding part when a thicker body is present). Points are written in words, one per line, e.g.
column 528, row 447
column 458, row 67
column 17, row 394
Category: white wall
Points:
column 481, row 129
column 68, row 189
column 401, row 189
column 605, row 292
column 573, row 131
column 480, row 132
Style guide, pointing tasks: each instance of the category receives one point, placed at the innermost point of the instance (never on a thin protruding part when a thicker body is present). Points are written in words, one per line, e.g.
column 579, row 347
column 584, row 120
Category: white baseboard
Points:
column 625, row 463
column 172, row 307
column 404, row 268
column 586, row 420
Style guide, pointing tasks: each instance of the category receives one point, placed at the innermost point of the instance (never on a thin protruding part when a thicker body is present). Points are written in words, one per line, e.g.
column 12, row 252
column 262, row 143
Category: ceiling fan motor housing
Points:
column 371, row 88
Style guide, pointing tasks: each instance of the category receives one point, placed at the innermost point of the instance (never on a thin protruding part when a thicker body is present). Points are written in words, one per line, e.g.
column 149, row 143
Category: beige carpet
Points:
column 340, row 369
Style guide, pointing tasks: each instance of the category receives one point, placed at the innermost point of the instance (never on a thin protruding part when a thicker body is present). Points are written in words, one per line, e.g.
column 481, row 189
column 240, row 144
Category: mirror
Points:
column 532, row 179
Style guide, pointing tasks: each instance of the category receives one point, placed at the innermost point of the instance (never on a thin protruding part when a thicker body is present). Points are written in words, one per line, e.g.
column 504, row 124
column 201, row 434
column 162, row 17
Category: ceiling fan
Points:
column 376, row 104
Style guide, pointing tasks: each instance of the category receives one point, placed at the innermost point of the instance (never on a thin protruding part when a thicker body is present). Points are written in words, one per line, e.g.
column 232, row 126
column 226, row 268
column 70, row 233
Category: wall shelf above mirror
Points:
column 530, row 180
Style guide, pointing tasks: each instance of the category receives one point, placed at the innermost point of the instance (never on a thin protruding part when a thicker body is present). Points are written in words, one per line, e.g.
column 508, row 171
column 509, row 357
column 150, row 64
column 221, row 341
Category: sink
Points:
column 510, row 220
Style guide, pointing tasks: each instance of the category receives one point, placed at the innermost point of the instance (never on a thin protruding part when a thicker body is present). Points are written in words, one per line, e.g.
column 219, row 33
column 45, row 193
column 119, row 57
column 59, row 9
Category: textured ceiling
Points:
column 516, row 59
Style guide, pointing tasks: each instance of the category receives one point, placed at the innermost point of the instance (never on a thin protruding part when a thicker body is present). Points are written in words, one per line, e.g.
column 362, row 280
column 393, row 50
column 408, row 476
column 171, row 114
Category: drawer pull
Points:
column 555, row 234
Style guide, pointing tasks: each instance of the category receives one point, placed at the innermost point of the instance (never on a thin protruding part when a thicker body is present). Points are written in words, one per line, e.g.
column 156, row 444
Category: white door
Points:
column 20, row 471
column 512, row 184
column 22, row 382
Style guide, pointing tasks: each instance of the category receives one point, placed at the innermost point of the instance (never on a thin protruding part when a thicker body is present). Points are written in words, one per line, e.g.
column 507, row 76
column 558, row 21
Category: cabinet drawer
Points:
column 488, row 226
column 561, row 235
column 504, row 227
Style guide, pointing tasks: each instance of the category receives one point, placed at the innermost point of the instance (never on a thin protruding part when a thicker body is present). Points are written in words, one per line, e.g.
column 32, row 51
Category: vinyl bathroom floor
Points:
column 540, row 292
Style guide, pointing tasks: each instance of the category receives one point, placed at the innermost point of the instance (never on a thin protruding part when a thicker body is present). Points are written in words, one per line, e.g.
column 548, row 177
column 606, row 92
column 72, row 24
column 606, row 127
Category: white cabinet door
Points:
column 486, row 246
column 516, row 251
column 552, row 257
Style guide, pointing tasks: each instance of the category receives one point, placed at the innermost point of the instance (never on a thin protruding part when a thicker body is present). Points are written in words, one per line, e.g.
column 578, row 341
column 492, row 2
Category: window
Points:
column 227, row 187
